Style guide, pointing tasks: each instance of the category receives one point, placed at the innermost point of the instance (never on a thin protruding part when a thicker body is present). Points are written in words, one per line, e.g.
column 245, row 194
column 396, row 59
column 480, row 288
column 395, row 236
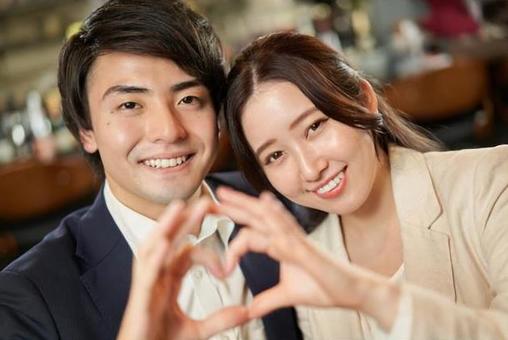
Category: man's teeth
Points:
column 165, row 162
column 332, row 184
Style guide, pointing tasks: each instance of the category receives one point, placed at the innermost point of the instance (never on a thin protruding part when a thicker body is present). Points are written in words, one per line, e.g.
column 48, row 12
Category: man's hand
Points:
column 152, row 311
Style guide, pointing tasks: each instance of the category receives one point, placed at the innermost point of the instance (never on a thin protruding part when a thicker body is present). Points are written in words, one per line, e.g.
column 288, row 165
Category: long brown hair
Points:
column 322, row 75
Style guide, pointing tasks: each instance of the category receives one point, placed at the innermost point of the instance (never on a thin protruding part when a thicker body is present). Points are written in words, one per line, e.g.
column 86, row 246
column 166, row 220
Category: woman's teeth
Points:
column 159, row 163
column 332, row 184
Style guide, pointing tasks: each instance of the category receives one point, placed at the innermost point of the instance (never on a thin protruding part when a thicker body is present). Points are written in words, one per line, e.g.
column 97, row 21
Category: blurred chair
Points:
column 447, row 94
column 34, row 197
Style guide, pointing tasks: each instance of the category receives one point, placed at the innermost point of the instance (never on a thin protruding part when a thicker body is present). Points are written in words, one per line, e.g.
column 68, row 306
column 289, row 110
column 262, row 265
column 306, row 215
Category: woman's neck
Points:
column 372, row 233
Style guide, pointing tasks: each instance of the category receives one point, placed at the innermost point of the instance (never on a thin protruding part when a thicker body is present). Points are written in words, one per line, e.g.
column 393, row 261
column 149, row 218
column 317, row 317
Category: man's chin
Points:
column 164, row 197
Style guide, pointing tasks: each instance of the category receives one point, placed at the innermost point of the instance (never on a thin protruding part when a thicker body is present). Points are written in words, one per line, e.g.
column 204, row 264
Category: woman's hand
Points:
column 308, row 276
column 152, row 311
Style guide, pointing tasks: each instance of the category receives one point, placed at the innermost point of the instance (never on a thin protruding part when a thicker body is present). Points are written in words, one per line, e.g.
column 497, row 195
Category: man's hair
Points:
column 158, row 28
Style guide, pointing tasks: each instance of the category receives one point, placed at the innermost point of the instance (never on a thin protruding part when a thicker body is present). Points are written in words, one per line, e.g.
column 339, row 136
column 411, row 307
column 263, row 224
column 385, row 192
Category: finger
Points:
column 268, row 301
column 267, row 209
column 167, row 221
column 279, row 213
column 195, row 255
column 209, row 259
column 246, row 240
column 222, row 320
column 243, row 216
column 146, row 270
column 191, row 219
column 241, row 200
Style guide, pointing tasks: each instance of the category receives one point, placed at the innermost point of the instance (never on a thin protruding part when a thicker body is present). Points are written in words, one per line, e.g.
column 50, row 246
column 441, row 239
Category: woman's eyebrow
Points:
column 302, row 116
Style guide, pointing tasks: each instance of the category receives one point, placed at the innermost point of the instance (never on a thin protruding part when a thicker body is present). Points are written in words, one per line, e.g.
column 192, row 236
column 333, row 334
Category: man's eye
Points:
column 129, row 106
column 189, row 100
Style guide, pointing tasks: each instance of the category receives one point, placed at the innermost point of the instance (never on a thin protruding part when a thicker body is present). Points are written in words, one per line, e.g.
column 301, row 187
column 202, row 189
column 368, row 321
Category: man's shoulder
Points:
column 53, row 255
column 40, row 283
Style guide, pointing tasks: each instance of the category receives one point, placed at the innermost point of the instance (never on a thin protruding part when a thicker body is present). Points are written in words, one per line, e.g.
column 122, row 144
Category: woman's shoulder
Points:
column 476, row 177
column 466, row 175
column 480, row 163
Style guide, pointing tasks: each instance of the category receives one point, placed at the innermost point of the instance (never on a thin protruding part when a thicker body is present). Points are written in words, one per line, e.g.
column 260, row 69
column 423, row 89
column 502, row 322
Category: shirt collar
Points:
column 135, row 227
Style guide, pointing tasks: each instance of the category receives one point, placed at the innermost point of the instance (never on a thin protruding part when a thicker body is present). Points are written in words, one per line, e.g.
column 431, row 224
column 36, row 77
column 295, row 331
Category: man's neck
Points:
column 152, row 210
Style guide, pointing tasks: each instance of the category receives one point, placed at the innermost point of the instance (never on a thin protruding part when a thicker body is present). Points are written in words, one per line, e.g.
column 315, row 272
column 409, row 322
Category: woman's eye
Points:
column 273, row 157
column 317, row 124
column 129, row 106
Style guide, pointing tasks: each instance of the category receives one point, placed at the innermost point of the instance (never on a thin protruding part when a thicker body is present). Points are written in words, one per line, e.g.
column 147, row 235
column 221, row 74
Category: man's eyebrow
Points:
column 302, row 116
column 185, row 85
column 138, row 89
column 124, row 89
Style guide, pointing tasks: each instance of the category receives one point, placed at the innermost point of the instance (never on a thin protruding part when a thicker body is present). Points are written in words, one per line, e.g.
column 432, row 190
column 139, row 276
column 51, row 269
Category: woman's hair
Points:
column 324, row 77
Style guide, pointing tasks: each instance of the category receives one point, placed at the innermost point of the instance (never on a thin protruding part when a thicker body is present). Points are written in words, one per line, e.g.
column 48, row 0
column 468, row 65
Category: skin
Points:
column 142, row 108
column 300, row 151
column 308, row 148
column 153, row 311
column 323, row 281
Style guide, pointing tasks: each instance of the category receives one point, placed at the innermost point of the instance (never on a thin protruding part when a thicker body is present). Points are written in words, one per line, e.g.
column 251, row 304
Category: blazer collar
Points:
column 425, row 236
column 415, row 198
column 106, row 263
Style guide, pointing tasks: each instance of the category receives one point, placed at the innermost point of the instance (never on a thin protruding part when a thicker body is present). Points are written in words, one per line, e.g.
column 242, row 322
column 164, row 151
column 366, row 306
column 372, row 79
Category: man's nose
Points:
column 165, row 125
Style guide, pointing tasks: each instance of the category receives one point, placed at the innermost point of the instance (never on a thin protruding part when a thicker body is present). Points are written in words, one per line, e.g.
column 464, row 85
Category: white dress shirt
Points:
column 326, row 323
column 201, row 293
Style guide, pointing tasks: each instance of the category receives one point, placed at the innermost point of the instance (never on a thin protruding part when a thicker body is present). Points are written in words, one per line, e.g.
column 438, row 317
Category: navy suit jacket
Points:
column 74, row 284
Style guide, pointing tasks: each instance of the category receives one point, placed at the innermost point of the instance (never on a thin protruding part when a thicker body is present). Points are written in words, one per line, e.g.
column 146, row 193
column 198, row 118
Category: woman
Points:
column 415, row 241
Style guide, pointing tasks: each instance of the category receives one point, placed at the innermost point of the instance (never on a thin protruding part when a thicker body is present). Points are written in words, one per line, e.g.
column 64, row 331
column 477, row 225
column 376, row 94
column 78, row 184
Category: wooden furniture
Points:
column 446, row 93
column 30, row 188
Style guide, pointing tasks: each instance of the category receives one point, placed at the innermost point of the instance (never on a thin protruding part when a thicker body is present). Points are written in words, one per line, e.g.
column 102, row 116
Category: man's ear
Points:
column 369, row 96
column 87, row 138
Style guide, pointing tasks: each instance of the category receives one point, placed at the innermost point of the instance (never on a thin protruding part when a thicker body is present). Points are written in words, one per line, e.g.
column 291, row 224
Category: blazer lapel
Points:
column 107, row 260
column 425, row 237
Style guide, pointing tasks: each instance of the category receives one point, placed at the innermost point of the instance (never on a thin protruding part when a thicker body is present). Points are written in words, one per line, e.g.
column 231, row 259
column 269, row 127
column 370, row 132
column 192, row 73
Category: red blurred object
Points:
column 449, row 19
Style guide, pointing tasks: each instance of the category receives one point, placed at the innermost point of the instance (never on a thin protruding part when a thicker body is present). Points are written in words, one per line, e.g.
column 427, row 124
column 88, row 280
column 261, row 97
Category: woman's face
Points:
column 308, row 157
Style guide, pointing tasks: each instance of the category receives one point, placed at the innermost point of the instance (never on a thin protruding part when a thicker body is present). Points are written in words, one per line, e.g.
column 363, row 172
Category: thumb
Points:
column 268, row 301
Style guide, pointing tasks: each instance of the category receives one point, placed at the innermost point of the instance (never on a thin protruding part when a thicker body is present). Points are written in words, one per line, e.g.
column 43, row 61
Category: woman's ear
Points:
column 87, row 138
column 369, row 96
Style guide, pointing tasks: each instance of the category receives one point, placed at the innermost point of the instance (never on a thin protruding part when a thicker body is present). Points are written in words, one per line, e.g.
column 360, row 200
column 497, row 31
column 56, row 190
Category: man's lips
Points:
column 164, row 161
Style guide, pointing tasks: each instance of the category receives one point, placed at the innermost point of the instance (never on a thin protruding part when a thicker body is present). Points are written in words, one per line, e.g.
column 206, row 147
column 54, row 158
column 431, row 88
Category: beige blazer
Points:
column 453, row 211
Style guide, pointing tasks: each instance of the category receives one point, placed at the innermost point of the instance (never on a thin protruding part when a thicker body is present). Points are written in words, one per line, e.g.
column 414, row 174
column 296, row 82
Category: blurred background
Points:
column 443, row 62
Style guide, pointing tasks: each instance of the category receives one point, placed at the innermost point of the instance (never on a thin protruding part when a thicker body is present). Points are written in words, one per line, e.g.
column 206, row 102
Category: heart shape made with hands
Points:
column 166, row 257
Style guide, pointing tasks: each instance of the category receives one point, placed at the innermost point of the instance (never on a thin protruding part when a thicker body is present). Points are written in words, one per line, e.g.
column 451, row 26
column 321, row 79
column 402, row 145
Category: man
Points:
column 141, row 84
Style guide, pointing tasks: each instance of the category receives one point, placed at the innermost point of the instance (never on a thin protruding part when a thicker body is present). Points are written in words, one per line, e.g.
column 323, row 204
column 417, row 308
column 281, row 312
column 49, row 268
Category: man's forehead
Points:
column 137, row 70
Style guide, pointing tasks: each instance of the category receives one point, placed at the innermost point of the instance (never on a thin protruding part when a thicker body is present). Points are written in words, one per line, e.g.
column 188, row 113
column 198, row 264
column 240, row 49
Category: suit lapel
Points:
column 107, row 260
column 425, row 237
column 261, row 273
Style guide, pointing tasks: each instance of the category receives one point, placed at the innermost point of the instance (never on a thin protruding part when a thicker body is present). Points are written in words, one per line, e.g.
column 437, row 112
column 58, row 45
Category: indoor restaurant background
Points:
column 443, row 62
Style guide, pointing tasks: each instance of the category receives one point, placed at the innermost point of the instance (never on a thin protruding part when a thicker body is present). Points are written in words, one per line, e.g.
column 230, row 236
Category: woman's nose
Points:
column 311, row 165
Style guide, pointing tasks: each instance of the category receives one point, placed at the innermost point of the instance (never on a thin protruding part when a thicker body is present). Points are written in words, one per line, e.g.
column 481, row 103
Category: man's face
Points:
column 154, row 127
